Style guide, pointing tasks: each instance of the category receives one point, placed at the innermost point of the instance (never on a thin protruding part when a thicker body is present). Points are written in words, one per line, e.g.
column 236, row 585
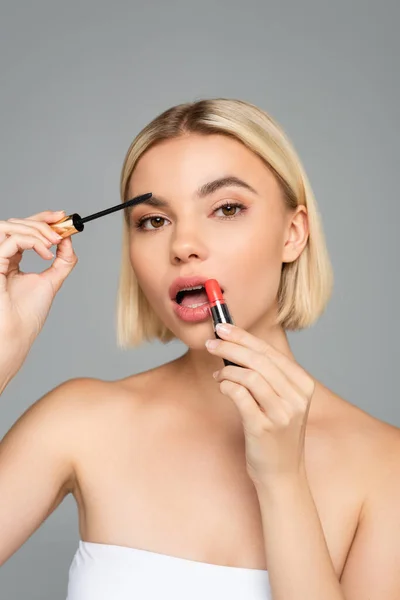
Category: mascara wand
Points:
column 75, row 223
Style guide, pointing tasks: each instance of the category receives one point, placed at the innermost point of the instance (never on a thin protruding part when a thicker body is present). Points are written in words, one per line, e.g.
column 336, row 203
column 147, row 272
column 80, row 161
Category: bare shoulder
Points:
column 367, row 431
column 88, row 397
column 73, row 418
column 371, row 446
column 381, row 445
column 93, row 402
column 96, row 395
column 372, row 561
column 71, row 409
column 60, row 405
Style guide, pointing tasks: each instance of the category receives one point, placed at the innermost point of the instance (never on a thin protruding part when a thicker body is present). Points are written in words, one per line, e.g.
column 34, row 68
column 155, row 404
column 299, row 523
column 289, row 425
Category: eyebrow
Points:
column 205, row 190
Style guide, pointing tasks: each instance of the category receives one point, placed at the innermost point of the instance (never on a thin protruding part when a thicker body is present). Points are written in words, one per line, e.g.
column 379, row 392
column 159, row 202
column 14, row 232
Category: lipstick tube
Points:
column 218, row 309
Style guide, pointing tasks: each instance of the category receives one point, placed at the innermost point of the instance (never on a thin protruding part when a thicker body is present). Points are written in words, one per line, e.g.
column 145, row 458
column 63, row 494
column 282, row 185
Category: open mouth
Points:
column 193, row 297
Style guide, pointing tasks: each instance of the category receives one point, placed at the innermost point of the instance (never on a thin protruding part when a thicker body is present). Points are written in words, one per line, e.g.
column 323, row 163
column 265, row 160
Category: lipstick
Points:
column 74, row 223
column 218, row 309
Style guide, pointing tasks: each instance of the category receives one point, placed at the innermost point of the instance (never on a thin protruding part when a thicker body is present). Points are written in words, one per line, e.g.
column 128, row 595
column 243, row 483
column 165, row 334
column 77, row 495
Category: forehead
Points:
column 195, row 158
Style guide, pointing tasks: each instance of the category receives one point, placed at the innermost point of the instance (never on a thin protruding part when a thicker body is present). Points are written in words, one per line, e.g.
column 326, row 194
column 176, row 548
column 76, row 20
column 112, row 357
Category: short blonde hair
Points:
column 306, row 284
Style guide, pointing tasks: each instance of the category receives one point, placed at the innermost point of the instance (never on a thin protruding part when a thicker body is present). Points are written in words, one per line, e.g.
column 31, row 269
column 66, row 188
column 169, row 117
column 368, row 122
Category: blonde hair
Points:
column 306, row 283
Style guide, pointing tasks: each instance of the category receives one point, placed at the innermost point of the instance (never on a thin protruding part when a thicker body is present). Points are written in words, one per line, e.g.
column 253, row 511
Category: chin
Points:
column 195, row 337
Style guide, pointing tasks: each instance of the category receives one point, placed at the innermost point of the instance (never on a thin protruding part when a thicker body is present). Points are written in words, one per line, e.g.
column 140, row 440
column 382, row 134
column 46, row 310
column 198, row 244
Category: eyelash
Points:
column 141, row 221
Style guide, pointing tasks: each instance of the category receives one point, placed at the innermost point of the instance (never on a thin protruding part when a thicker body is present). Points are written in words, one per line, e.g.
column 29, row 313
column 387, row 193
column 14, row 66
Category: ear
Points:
column 296, row 234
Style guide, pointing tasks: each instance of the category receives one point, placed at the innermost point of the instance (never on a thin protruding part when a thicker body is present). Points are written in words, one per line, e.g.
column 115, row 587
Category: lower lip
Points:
column 192, row 315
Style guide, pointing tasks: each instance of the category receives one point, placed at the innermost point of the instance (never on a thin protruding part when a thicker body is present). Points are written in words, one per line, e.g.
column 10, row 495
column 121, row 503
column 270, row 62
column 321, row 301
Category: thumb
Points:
column 63, row 264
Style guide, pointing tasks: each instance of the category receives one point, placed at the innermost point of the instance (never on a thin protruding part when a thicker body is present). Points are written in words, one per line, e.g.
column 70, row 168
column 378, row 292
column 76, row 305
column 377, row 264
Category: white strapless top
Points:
column 109, row 572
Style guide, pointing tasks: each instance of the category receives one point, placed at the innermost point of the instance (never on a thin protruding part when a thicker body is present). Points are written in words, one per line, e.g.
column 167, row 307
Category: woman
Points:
column 260, row 483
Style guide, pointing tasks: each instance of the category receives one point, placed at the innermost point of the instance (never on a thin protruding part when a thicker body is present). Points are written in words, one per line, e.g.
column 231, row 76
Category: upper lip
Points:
column 185, row 282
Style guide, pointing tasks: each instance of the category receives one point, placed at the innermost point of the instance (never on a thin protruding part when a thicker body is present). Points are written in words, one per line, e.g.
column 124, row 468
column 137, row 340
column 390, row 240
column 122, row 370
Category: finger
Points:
column 274, row 405
column 17, row 243
column 295, row 373
column 260, row 364
column 48, row 216
column 39, row 226
column 253, row 418
column 65, row 261
column 241, row 336
column 14, row 246
column 11, row 227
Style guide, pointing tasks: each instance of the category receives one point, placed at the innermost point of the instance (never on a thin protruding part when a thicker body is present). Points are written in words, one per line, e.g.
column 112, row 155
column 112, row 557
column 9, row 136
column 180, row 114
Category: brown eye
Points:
column 152, row 220
column 156, row 222
column 156, row 219
column 229, row 208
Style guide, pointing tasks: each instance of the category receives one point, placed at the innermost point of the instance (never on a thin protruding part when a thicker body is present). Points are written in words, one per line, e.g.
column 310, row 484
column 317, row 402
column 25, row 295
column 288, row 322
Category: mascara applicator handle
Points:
column 74, row 223
column 68, row 225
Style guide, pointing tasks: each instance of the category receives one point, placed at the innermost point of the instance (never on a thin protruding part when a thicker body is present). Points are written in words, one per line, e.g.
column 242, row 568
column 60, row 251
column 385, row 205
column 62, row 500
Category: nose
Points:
column 187, row 243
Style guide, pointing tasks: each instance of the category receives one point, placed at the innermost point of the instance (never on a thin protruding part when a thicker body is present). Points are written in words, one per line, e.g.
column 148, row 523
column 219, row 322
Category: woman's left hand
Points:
column 273, row 395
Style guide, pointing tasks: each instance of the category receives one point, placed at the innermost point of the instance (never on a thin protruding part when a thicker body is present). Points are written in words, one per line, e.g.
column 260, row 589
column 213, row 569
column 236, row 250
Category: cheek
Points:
column 256, row 267
column 260, row 248
column 144, row 268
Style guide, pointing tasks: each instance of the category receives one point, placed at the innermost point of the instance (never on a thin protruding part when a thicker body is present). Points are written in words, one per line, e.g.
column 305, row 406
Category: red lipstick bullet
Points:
column 218, row 308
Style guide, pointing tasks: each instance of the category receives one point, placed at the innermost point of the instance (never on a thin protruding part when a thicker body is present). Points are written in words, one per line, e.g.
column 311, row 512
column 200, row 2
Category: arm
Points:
column 372, row 569
column 10, row 361
column 297, row 556
column 37, row 465
column 299, row 564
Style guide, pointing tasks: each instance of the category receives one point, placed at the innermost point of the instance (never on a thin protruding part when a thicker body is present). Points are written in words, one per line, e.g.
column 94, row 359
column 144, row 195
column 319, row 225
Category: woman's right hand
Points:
column 26, row 298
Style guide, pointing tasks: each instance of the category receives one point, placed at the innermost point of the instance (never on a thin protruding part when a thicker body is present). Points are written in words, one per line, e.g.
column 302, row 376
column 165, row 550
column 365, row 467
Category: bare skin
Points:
column 161, row 473
column 156, row 461
column 161, row 465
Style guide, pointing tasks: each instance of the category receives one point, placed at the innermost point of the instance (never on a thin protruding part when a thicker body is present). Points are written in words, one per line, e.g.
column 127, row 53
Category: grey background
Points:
column 80, row 79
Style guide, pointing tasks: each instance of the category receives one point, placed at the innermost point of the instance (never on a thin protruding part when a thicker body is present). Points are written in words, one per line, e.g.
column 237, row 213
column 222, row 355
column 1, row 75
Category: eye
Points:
column 228, row 205
column 139, row 224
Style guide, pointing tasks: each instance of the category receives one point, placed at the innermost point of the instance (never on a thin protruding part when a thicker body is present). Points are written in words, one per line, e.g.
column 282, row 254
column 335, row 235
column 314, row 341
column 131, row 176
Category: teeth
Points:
column 199, row 287
column 195, row 305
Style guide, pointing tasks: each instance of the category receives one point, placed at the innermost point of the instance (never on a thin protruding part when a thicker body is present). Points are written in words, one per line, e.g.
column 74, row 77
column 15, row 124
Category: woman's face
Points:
column 242, row 248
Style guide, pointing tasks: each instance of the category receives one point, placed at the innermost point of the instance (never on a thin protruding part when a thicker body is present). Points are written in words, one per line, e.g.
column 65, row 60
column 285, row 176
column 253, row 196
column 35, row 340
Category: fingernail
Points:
column 211, row 344
column 215, row 374
column 223, row 328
